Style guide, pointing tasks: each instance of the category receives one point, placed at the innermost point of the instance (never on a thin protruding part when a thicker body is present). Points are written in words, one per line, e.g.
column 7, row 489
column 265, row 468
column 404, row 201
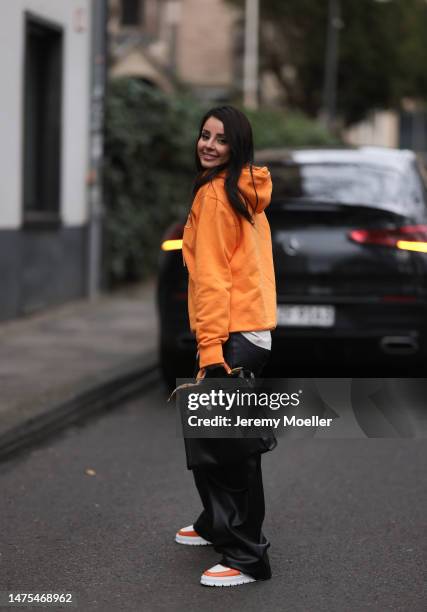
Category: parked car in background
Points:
column 349, row 233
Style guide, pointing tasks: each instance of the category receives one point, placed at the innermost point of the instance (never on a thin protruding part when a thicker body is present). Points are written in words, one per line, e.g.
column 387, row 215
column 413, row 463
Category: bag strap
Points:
column 202, row 372
column 201, row 375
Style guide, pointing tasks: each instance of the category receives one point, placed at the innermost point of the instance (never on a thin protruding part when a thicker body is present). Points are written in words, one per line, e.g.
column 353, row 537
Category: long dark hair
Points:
column 238, row 133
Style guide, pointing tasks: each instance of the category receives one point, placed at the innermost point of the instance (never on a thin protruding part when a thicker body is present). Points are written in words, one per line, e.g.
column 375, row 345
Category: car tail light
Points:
column 172, row 240
column 408, row 237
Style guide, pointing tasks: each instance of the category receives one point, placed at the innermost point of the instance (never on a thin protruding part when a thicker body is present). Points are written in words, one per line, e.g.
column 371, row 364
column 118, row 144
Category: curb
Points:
column 106, row 393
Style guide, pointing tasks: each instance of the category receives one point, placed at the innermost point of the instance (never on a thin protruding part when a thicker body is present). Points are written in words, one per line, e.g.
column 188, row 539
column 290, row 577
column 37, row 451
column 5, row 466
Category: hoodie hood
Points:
column 263, row 185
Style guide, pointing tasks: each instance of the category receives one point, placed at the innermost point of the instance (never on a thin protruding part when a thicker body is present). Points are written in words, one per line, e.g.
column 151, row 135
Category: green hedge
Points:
column 276, row 128
column 149, row 168
column 148, row 172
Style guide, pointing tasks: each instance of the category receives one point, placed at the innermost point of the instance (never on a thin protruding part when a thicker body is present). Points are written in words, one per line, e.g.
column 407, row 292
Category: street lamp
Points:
column 331, row 63
column 250, row 60
column 335, row 23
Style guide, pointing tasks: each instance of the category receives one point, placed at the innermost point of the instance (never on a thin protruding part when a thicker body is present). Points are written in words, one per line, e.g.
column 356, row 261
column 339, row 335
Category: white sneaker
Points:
column 187, row 535
column 219, row 575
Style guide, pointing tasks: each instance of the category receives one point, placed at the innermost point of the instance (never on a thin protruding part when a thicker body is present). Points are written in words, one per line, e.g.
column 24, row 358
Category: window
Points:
column 131, row 12
column 42, row 119
column 347, row 183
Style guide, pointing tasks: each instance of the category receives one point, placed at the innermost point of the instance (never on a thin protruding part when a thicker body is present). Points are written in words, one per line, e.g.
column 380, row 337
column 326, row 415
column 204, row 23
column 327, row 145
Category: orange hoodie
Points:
column 230, row 264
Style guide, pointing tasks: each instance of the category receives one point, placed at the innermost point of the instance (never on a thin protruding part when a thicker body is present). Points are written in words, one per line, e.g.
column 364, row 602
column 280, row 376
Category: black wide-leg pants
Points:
column 233, row 495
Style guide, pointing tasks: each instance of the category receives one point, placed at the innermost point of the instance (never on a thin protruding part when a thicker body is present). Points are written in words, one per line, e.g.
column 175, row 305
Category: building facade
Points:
column 197, row 43
column 44, row 118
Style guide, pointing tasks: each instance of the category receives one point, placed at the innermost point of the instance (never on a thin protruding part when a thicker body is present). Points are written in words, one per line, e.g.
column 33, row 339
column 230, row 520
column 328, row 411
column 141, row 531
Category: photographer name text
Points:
column 286, row 421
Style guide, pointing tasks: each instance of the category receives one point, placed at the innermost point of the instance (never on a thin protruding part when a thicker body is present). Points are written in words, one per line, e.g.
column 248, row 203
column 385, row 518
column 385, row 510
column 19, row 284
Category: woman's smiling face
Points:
column 212, row 147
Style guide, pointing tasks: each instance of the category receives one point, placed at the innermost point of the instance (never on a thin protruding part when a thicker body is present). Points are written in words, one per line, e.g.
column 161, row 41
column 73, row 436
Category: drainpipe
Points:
column 96, row 145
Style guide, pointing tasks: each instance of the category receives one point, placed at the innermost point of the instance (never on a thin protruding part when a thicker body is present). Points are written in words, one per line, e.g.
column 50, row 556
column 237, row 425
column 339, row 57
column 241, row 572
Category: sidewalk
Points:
column 74, row 359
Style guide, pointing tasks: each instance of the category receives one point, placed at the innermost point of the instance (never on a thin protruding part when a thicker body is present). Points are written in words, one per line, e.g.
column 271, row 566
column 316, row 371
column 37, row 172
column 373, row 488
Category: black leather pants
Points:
column 233, row 496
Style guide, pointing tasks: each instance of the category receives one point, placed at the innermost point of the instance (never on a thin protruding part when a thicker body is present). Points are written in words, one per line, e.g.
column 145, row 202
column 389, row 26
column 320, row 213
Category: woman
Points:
column 232, row 308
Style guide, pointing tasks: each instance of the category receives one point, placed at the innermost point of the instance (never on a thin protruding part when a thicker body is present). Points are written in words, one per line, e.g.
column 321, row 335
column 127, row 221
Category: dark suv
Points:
column 349, row 231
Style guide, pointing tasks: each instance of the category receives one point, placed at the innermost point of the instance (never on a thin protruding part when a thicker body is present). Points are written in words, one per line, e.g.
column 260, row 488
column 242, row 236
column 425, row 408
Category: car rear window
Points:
column 345, row 183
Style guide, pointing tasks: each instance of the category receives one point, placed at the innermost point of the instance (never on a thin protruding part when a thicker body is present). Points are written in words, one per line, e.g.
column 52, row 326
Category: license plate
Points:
column 305, row 316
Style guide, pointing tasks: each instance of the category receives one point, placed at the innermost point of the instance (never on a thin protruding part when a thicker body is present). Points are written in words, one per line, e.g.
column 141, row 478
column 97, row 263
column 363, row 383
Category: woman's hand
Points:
column 214, row 370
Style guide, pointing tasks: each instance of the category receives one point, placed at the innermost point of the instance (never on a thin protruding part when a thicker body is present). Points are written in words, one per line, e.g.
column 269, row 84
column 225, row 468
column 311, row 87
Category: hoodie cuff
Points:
column 208, row 355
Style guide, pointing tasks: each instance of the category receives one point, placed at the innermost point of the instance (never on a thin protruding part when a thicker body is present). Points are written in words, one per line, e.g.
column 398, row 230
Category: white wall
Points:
column 380, row 129
column 75, row 99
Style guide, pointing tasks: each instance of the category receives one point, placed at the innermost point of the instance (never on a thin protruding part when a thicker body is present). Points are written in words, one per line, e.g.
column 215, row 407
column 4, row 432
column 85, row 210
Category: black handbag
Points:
column 218, row 451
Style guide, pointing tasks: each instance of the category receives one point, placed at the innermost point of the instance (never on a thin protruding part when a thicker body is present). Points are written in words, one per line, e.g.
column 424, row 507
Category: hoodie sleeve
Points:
column 215, row 242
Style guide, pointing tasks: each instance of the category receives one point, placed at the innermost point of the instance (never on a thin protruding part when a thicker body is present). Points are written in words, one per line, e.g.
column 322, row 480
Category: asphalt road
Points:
column 94, row 511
